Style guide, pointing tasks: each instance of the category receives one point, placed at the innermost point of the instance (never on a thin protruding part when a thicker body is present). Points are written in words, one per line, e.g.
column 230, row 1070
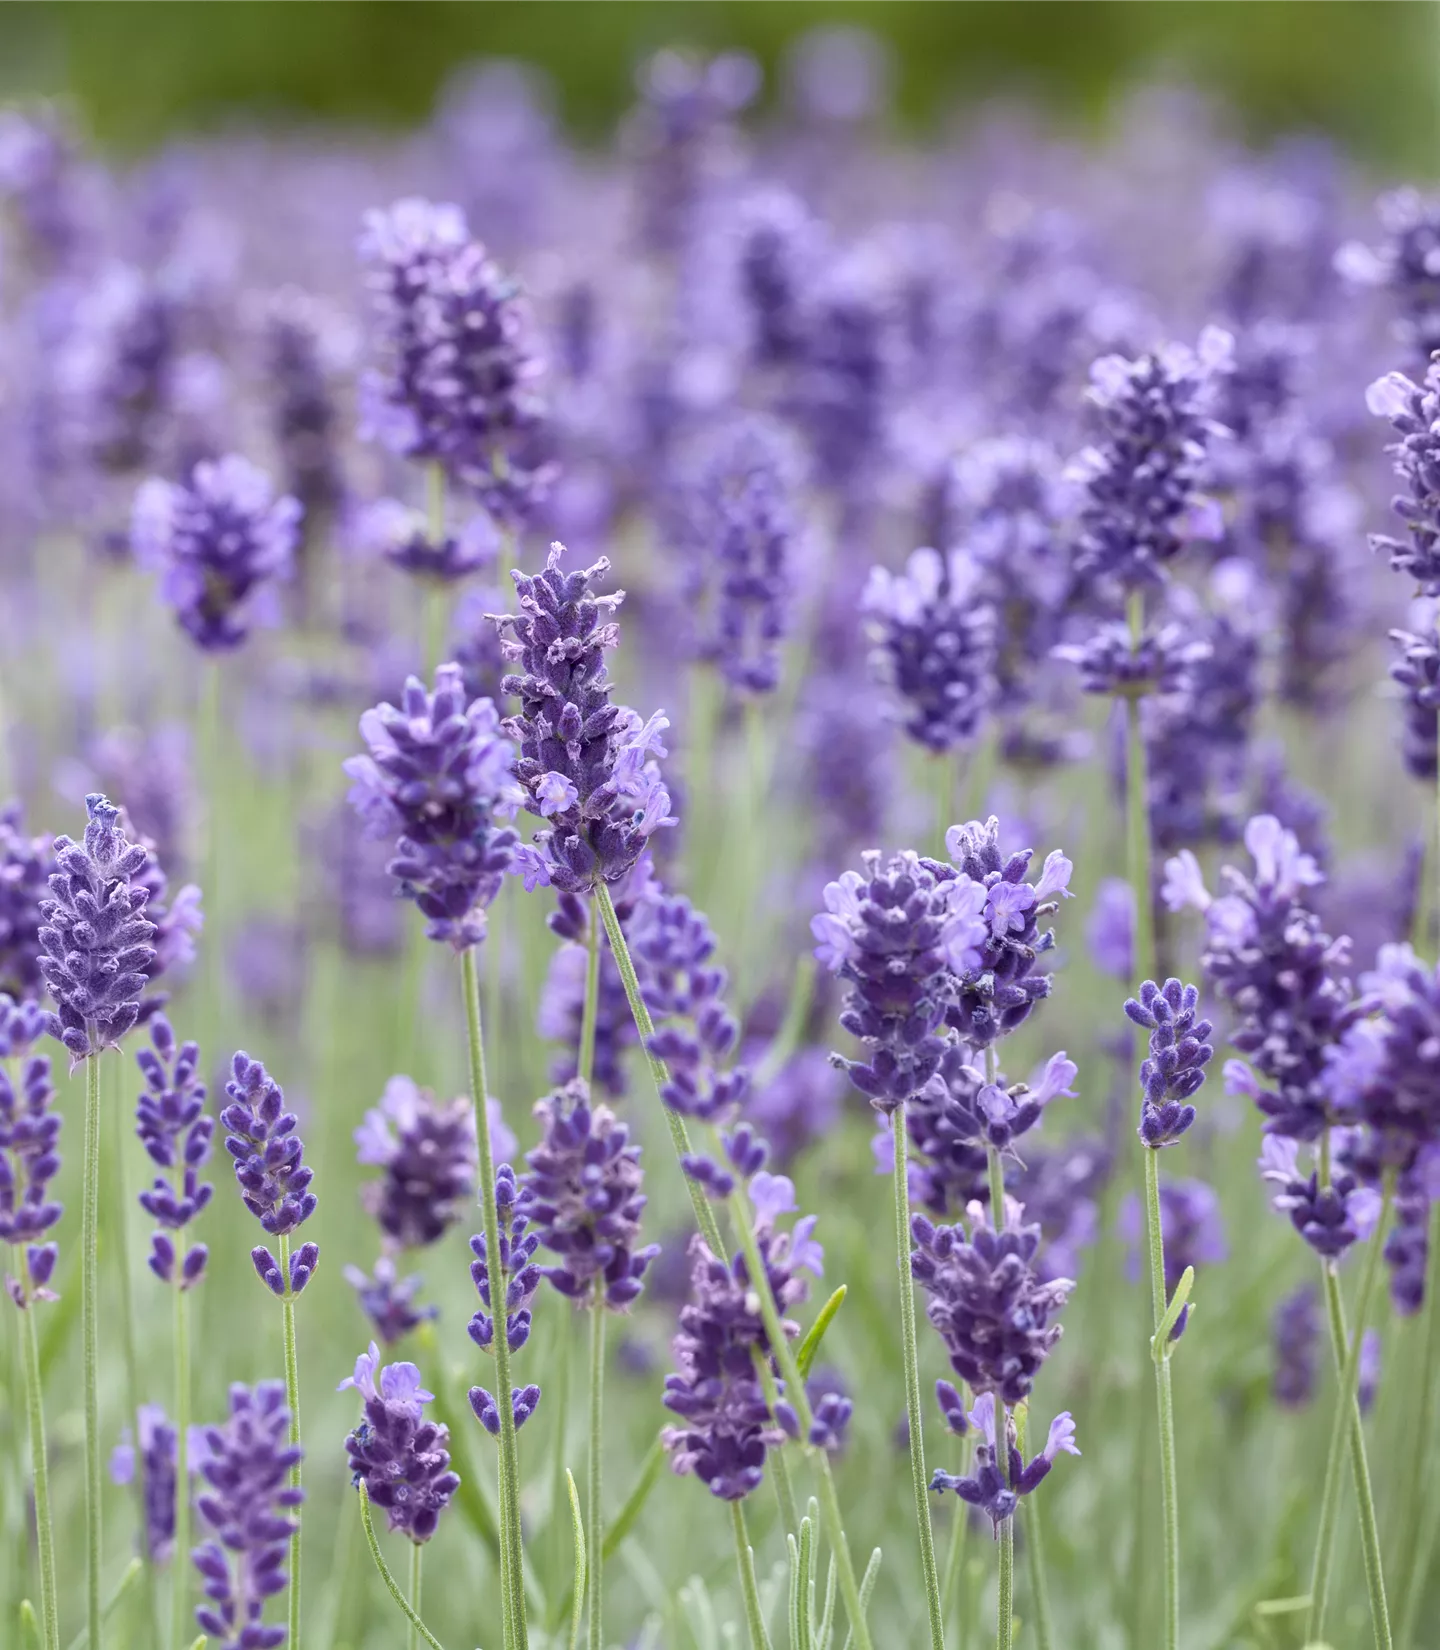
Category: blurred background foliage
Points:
column 1368, row 71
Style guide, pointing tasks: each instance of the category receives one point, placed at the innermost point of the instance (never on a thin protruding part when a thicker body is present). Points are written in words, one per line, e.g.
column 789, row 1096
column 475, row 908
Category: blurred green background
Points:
column 1367, row 70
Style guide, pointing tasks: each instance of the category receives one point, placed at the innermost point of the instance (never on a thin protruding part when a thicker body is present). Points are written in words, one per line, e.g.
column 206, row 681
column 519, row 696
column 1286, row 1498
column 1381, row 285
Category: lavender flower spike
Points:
column 273, row 1179
column 513, row 1204
column 253, row 1513
column 96, row 940
column 219, row 543
column 436, row 775
column 1178, row 1056
column 176, row 1132
column 429, row 1155
column 24, row 867
column 1414, row 412
column 994, row 1489
column 586, row 765
column 29, row 1149
column 151, row 1458
column 399, row 1456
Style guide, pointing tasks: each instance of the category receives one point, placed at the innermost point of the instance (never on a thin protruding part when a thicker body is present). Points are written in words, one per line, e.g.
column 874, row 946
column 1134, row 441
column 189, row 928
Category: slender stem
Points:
column 292, row 1401
column 590, row 1014
column 745, row 1558
column 593, row 1515
column 710, row 1231
column 394, row 1587
column 417, row 1560
column 180, row 1592
column 784, row 1489
column 919, row 1483
column 1347, row 1420
column 89, row 1310
column 1169, row 1481
column 1417, row 1521
column 1005, row 1593
column 44, row 1526
column 1035, row 1560
column 511, row 1547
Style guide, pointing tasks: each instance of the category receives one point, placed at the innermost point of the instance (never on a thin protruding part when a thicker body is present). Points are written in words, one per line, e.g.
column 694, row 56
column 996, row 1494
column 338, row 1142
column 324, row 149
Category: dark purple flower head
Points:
column 1329, row 1218
column 305, row 346
column 1110, row 663
column 586, row 766
column 726, row 1425
column 252, row 1512
column 900, row 936
column 524, row 1401
column 388, row 1300
column 97, row 938
column 430, row 1158
column 998, row 994
column 1407, row 1246
column 399, row 1456
column 1179, row 1053
column 437, row 773
column 1143, row 502
column 219, row 542
column 799, row 1104
column 25, row 864
column 152, row 1461
column 1267, row 954
column 1295, row 1328
column 585, row 1200
column 519, row 1269
column 29, row 1147
column 739, row 524
column 273, row 1179
column 404, row 538
column 775, row 258
column 845, row 376
column 1414, row 411
column 175, row 1130
column 989, row 1308
column 684, row 989
column 455, row 379
column 1406, row 264
column 933, row 635
column 993, row 1487
column 1417, row 671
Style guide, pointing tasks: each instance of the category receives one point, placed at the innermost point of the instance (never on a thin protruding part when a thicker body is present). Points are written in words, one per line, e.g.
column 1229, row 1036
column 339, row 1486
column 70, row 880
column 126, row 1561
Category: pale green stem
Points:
column 1419, row 1518
column 784, row 1489
column 511, row 1543
column 590, row 1014
column 593, row 1514
column 745, row 1559
column 1169, row 1482
column 1346, row 1420
column 44, row 1524
column 710, row 1231
column 292, row 1400
column 918, row 1482
column 390, row 1582
column 89, row 1310
column 417, row 1570
column 179, row 1601
column 1005, row 1599
column 1035, row 1555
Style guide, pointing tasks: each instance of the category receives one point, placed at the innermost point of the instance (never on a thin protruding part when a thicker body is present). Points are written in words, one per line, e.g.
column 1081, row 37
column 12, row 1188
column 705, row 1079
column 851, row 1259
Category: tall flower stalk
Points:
column 96, row 957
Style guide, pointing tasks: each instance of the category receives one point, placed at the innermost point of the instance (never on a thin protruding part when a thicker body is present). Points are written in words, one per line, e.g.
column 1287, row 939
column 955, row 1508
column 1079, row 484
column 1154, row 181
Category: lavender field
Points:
column 719, row 880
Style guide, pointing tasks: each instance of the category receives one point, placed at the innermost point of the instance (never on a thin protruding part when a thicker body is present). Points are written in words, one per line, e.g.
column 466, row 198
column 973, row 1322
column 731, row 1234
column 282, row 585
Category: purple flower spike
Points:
column 388, row 1301
column 522, row 1275
column 952, row 1407
column 832, row 1420
column 25, row 865
column 1179, row 1054
column 151, row 1460
column 176, row 1132
column 588, row 767
column 524, row 1402
column 1329, row 1218
column 995, row 1488
column 1296, row 1333
column 1417, row 672
column 401, row 1458
column 260, row 1135
column 252, row 1512
column 429, row 1155
column 97, row 937
column 402, row 536
column 436, row 775
column 29, row 1150
column 585, row 1199
column 219, row 543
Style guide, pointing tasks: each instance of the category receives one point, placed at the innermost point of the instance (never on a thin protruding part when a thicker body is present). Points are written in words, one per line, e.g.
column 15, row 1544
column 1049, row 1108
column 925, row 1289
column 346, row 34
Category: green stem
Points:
column 410, row 1615
column 292, row 1401
column 1347, row 1421
column 511, row 1545
column 593, row 1516
column 89, row 1310
column 180, row 1599
column 417, row 1561
column 710, row 1231
column 1418, row 1520
column 1035, row 1561
column 745, row 1558
column 1169, row 1480
column 44, row 1525
column 590, row 1014
column 784, row 1489
column 1005, row 1593
column 918, row 1481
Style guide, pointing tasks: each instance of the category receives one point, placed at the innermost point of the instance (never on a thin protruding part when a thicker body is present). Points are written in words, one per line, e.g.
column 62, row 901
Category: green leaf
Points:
column 577, row 1587
column 867, row 1587
column 1160, row 1346
column 793, row 1552
column 810, row 1346
column 624, row 1521
column 132, row 1573
column 200, row 1643
column 804, row 1637
column 827, row 1616
column 29, row 1625
column 699, row 1614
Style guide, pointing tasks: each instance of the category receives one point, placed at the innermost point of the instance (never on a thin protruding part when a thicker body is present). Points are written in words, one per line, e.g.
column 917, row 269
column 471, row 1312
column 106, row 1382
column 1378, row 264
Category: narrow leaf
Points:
column 624, row 1521
column 793, row 1550
column 804, row 1637
column 1160, row 1345
column 805, row 1357
column 827, row 1617
column 129, row 1576
column 29, row 1624
column 577, row 1527
column 867, row 1586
